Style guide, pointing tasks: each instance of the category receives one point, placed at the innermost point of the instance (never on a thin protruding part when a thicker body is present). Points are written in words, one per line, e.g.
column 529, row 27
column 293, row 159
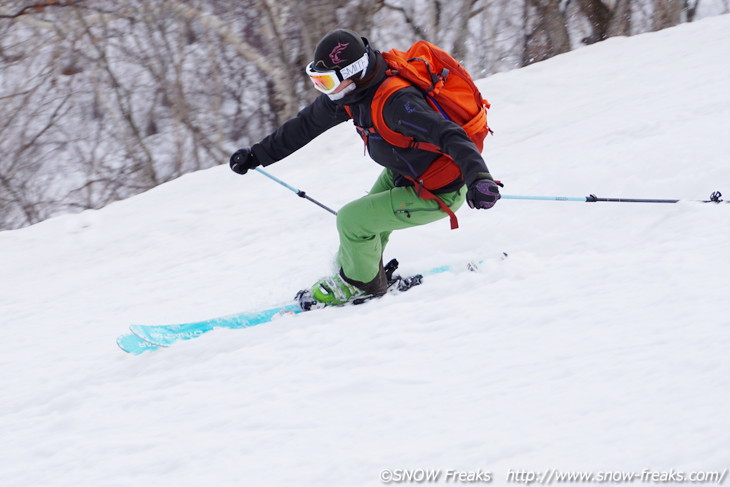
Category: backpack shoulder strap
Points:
column 388, row 88
column 385, row 91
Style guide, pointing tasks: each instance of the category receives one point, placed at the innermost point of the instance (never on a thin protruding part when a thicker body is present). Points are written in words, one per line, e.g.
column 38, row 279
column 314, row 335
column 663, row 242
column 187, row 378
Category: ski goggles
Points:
column 328, row 81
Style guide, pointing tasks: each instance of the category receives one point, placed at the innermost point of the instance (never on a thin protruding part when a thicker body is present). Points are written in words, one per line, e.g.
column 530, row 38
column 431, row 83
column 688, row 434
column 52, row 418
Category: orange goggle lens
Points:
column 323, row 82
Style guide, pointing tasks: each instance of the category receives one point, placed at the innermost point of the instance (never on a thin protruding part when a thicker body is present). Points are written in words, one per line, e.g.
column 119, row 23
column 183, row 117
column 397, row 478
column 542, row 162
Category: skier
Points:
column 348, row 72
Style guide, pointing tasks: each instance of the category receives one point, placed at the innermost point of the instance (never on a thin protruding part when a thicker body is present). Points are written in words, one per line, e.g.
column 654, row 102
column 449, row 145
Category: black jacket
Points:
column 406, row 112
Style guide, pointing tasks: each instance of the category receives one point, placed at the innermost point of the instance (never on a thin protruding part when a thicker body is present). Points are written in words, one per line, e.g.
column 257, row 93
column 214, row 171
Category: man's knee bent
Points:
column 351, row 217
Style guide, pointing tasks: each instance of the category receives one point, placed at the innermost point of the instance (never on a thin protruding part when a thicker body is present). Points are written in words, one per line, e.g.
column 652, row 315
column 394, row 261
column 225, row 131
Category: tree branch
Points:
column 37, row 7
column 409, row 20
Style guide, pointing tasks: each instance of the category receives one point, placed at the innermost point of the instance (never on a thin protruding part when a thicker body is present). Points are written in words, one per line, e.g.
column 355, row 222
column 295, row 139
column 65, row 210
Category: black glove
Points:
column 483, row 193
column 242, row 160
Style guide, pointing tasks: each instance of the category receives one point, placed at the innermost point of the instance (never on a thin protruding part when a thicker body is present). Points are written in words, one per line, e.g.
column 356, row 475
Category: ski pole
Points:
column 298, row 192
column 715, row 197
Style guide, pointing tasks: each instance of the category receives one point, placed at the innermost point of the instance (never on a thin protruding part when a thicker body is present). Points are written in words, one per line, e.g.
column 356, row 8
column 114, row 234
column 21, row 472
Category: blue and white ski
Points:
column 166, row 335
column 154, row 337
column 133, row 344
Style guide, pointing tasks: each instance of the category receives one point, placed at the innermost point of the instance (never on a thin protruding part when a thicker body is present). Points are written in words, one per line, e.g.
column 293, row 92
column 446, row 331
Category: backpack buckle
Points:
column 419, row 187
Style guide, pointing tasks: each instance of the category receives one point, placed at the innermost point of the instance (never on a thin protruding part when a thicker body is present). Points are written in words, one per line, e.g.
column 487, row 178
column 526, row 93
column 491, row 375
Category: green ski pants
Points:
column 365, row 224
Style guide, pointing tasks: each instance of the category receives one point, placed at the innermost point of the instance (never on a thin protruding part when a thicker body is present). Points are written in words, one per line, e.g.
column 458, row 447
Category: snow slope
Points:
column 600, row 344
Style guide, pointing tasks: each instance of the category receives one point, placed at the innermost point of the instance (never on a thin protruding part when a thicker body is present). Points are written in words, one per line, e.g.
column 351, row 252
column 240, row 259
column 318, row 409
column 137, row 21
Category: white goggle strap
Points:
column 361, row 65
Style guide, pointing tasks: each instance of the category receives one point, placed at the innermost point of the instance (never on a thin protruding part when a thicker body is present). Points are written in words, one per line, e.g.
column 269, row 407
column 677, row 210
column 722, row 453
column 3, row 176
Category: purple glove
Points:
column 483, row 193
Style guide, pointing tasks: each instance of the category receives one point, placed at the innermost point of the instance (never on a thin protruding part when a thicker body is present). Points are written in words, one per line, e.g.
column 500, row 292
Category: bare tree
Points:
column 667, row 13
column 690, row 8
column 103, row 99
column 606, row 19
column 546, row 31
column 620, row 24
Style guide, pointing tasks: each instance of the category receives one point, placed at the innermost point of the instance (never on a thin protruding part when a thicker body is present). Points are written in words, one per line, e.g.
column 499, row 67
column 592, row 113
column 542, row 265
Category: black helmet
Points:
column 338, row 49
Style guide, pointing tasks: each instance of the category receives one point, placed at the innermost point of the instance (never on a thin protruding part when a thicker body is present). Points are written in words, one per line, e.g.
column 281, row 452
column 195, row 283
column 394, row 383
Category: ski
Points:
column 166, row 335
column 153, row 337
column 133, row 344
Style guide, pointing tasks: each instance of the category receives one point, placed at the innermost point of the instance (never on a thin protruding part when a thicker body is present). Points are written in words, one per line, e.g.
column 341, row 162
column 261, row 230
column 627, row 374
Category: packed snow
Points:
column 601, row 343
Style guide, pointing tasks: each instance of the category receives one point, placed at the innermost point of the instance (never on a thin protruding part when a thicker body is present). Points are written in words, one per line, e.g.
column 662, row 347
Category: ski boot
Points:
column 335, row 291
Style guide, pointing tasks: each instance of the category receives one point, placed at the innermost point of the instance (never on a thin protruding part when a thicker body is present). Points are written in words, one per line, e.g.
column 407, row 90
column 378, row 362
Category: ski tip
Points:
column 134, row 345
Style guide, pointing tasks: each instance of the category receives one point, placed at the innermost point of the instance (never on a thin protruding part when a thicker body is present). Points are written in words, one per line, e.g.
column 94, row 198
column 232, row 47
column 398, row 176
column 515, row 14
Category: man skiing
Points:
column 348, row 72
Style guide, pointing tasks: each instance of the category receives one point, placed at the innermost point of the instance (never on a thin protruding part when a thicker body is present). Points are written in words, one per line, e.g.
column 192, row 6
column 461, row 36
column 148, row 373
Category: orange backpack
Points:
column 450, row 90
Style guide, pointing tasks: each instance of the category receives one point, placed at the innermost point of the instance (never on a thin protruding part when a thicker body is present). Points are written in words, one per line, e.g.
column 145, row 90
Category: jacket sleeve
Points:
column 292, row 135
column 408, row 112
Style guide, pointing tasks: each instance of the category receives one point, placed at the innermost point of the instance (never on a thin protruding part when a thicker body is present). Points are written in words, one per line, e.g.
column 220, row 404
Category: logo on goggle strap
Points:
column 335, row 54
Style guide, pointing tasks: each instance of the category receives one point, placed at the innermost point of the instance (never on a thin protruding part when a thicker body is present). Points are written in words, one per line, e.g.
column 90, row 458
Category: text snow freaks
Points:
column 422, row 476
